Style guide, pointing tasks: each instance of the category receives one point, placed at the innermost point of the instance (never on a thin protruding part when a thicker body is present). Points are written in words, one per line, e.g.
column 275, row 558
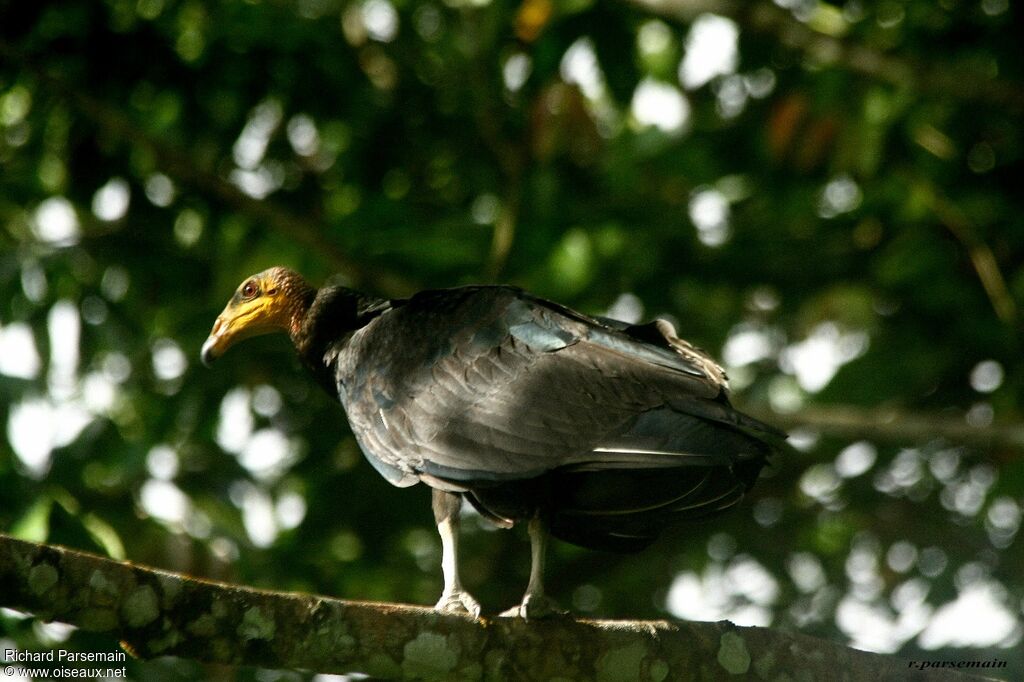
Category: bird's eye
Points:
column 249, row 290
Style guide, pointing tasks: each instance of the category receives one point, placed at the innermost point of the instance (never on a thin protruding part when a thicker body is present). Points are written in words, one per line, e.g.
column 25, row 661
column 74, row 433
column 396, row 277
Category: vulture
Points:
column 594, row 431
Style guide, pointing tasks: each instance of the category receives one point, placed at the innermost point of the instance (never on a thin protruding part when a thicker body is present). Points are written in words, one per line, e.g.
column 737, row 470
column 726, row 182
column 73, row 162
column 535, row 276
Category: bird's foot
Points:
column 534, row 606
column 458, row 601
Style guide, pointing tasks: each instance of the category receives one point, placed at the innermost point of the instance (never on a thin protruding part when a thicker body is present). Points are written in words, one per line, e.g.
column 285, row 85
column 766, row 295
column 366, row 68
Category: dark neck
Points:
column 302, row 299
column 334, row 314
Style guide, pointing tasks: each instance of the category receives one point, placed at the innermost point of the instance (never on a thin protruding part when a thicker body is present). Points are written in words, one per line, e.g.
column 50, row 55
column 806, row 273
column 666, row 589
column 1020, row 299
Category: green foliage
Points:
column 865, row 199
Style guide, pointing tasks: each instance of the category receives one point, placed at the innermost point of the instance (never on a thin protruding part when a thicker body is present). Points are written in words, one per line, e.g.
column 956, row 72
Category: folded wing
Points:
column 479, row 389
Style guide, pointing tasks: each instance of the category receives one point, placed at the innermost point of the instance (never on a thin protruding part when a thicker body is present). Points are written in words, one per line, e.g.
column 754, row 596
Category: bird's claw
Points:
column 534, row 607
column 458, row 602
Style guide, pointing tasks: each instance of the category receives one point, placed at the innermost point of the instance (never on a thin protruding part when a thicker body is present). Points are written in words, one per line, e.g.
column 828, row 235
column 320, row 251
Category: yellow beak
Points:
column 216, row 343
column 240, row 321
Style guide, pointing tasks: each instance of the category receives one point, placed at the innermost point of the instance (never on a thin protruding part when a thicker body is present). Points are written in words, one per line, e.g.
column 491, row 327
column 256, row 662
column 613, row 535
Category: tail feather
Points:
column 683, row 462
column 614, row 492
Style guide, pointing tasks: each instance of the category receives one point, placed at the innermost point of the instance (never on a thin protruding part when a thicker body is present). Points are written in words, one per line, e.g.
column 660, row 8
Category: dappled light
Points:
column 740, row 590
column 18, row 355
column 55, row 222
column 711, row 49
column 823, row 196
column 660, row 105
column 111, row 201
column 816, row 359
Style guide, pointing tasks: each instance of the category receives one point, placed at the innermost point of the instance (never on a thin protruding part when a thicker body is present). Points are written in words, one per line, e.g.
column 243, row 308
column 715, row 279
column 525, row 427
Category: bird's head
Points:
column 275, row 300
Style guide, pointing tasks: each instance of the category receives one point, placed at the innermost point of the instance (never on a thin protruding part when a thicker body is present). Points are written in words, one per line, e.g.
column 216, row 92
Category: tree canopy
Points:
column 823, row 195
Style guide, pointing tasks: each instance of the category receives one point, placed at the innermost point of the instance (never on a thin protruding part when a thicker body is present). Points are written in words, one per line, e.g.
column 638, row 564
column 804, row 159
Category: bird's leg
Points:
column 446, row 513
column 535, row 603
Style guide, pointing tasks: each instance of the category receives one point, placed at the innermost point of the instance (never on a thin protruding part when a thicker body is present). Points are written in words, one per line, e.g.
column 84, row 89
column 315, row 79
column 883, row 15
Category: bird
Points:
column 594, row 431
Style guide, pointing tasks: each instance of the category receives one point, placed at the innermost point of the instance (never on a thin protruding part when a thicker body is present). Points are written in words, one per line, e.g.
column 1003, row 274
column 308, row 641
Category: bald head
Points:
column 275, row 300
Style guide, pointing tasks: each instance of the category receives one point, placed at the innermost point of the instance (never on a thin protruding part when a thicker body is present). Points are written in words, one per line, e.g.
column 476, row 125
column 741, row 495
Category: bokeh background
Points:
column 825, row 195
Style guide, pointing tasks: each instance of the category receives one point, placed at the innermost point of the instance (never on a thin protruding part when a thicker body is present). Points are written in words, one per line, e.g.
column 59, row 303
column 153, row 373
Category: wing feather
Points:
column 489, row 384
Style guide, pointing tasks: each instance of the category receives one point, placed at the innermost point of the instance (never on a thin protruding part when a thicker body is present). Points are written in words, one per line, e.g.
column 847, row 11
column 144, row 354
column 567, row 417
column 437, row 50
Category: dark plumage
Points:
column 599, row 431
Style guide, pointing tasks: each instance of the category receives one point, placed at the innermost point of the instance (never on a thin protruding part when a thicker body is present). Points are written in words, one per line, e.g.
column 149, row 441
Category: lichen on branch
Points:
column 156, row 613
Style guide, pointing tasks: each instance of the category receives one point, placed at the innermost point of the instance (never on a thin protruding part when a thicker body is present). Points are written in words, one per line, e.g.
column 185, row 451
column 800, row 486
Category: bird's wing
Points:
column 486, row 384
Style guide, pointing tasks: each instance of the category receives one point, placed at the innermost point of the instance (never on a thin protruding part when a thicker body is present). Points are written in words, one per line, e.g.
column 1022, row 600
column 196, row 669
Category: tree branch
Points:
column 982, row 257
column 157, row 613
column 896, row 426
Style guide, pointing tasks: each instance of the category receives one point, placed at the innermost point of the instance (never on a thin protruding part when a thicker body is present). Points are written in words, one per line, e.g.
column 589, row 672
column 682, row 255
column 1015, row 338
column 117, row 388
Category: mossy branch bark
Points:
column 156, row 613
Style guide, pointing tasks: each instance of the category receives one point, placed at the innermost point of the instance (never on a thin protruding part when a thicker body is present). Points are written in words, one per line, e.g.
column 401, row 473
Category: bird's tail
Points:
column 682, row 462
